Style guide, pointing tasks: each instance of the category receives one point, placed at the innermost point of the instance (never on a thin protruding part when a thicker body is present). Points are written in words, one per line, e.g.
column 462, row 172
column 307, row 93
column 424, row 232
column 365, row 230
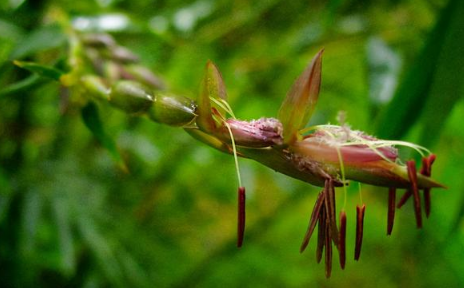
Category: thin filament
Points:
column 342, row 171
column 224, row 105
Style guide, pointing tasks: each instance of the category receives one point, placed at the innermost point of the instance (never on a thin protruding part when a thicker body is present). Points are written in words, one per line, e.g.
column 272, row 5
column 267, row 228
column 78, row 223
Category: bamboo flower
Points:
column 328, row 156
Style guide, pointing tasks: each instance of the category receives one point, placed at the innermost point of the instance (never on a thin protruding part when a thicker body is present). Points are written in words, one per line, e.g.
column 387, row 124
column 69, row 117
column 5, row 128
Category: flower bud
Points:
column 111, row 71
column 123, row 55
column 131, row 97
column 172, row 110
column 145, row 76
column 95, row 87
column 98, row 40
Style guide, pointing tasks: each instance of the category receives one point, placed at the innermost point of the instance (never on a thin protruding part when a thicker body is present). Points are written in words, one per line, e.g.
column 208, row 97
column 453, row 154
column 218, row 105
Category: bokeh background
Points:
column 70, row 217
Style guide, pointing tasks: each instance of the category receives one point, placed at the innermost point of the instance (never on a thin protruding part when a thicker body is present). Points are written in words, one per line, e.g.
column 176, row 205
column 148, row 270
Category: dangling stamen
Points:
column 313, row 221
column 404, row 199
column 321, row 230
column 329, row 191
column 427, row 171
column 328, row 249
column 342, row 236
column 359, row 230
column 415, row 191
column 241, row 216
column 391, row 209
column 241, row 189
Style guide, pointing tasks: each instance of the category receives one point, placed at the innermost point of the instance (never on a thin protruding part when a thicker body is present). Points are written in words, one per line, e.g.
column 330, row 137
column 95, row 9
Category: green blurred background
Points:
column 69, row 217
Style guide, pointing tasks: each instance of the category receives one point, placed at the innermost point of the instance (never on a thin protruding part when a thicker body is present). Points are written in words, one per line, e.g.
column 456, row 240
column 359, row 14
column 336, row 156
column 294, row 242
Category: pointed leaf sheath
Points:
column 342, row 238
column 313, row 221
column 415, row 191
column 241, row 216
column 212, row 86
column 298, row 106
column 359, row 230
column 391, row 209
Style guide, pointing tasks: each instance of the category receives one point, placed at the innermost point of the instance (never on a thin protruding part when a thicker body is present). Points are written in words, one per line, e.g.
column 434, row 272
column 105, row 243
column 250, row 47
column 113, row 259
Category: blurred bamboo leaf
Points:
column 239, row 17
column 38, row 41
column 412, row 94
column 92, row 120
column 100, row 248
column 132, row 269
column 5, row 195
column 10, row 31
column 459, row 216
column 447, row 86
column 26, row 84
column 5, row 49
column 42, row 70
column 31, row 216
column 65, row 237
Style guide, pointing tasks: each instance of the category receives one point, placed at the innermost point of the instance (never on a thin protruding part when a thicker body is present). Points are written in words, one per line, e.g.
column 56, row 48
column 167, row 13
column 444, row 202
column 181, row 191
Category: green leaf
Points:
column 212, row 86
column 9, row 31
column 100, row 248
column 5, row 195
column 5, row 49
column 447, row 87
column 92, row 120
column 459, row 216
column 40, row 40
column 298, row 106
column 28, row 83
column 409, row 100
column 65, row 236
column 42, row 70
column 134, row 271
column 31, row 218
